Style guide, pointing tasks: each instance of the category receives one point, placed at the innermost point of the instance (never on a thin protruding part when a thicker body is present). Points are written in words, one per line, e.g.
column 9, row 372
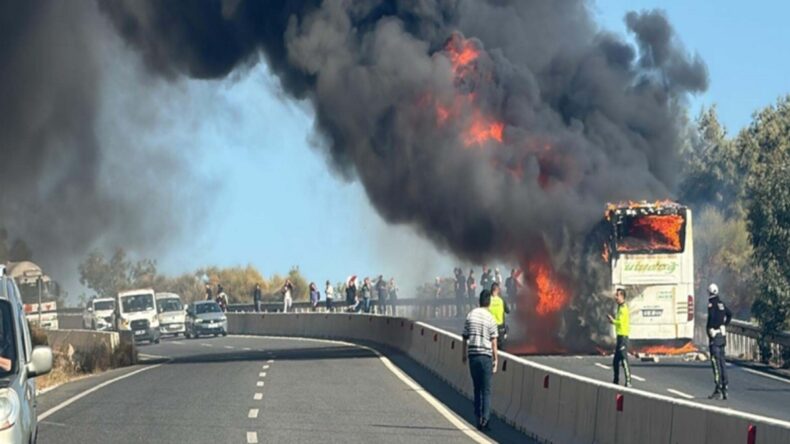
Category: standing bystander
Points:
column 287, row 292
column 330, row 296
column 498, row 309
column 381, row 294
column 471, row 286
column 719, row 316
column 480, row 349
column 622, row 325
column 256, row 297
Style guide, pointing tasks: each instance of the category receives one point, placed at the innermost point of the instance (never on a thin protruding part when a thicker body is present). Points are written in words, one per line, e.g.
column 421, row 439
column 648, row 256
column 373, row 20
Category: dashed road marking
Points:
column 638, row 378
column 679, row 393
column 270, row 361
column 206, row 345
column 766, row 375
column 606, row 367
column 603, row 366
column 252, row 437
column 229, row 347
column 257, row 396
column 246, row 349
column 578, row 357
column 266, row 367
column 178, row 343
column 259, row 384
column 252, row 414
column 262, row 374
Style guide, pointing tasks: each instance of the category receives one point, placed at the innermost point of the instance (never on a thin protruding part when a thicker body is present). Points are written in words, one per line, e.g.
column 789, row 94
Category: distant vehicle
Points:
column 20, row 363
column 135, row 310
column 37, row 291
column 98, row 314
column 171, row 314
column 651, row 253
column 205, row 318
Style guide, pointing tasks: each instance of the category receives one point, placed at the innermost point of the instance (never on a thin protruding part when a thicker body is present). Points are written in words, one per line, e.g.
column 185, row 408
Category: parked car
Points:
column 205, row 318
column 20, row 363
column 171, row 314
column 135, row 310
column 98, row 314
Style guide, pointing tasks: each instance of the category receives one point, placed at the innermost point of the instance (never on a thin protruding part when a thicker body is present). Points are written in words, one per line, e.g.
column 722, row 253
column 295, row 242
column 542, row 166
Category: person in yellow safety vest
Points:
column 622, row 326
column 498, row 308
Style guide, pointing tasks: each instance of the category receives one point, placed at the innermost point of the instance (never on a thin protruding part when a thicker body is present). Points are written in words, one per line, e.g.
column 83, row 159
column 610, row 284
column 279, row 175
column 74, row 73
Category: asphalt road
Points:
column 251, row 389
column 752, row 389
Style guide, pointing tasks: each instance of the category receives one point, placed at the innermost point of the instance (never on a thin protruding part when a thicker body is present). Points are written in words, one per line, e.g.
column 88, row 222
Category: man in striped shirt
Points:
column 480, row 349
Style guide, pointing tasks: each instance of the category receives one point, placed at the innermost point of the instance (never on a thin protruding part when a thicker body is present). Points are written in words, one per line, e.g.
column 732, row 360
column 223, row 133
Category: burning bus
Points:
column 651, row 255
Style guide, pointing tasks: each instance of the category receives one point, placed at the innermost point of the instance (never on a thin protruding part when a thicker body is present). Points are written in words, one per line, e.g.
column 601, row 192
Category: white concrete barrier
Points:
column 546, row 403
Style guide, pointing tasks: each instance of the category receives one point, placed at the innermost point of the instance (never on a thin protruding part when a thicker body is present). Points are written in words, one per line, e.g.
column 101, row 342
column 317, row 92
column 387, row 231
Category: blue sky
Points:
column 277, row 204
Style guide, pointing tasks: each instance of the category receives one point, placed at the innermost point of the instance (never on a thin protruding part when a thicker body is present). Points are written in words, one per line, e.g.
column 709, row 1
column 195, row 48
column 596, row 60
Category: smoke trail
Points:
column 65, row 186
column 498, row 128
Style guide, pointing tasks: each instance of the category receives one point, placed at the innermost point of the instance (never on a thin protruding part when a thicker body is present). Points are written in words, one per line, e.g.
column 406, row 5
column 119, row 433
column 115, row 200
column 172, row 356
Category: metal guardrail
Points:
column 743, row 343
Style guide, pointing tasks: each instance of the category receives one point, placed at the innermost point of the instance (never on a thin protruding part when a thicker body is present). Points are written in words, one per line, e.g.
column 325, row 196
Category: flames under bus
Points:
column 652, row 256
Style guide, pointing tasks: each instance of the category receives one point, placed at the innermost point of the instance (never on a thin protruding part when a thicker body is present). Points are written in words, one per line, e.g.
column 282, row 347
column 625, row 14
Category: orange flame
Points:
column 659, row 231
column 481, row 131
column 552, row 296
column 667, row 350
column 461, row 52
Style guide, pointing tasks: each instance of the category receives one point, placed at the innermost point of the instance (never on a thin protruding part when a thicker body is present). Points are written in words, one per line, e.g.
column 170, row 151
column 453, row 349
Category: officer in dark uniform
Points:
column 718, row 317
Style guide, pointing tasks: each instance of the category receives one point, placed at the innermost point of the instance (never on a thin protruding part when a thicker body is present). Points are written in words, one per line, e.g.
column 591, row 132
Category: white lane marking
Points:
column 252, row 414
column 262, row 374
column 606, row 367
column 257, row 396
column 430, row 399
column 259, row 384
column 206, row 345
column 147, row 356
column 767, row 375
column 270, row 361
column 246, row 349
column 266, row 367
column 178, row 343
column 578, row 357
column 75, row 398
column 229, row 347
column 679, row 393
column 252, row 437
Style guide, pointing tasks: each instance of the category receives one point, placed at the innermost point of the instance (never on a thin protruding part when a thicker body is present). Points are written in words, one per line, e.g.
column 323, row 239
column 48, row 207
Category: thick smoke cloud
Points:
column 67, row 182
column 572, row 116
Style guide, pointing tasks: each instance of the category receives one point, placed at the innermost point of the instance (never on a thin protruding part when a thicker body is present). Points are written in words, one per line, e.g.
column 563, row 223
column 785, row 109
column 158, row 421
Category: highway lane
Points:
column 751, row 390
column 251, row 389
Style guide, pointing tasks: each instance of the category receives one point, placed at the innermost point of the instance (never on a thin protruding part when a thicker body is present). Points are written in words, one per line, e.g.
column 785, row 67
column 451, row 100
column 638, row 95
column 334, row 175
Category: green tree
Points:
column 765, row 147
column 109, row 276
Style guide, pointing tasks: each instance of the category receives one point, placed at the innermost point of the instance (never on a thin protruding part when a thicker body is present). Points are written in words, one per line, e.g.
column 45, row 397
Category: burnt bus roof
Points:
column 644, row 208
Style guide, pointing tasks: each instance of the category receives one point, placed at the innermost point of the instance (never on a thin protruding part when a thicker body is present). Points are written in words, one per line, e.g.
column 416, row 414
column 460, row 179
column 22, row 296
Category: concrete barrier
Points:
column 548, row 404
column 83, row 341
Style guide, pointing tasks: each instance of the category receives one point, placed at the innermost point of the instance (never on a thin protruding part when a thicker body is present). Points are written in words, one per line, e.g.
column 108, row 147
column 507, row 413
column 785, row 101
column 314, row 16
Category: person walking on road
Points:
column 381, row 294
column 498, row 308
column 719, row 316
column 480, row 350
column 622, row 326
column 287, row 292
column 330, row 296
column 392, row 289
column 256, row 297
column 366, row 291
column 471, row 286
column 315, row 296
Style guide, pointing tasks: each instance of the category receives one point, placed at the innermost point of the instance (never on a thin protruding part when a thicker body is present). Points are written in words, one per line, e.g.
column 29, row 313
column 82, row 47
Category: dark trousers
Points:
column 621, row 358
column 481, row 368
column 258, row 306
column 501, row 337
column 719, row 366
column 328, row 304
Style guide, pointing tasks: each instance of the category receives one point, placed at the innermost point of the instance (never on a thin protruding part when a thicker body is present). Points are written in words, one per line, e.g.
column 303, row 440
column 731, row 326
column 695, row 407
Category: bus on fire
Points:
column 651, row 255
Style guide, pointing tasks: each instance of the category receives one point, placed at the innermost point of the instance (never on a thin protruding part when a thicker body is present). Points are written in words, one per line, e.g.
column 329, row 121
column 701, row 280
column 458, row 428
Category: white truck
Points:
column 171, row 314
column 98, row 314
column 135, row 310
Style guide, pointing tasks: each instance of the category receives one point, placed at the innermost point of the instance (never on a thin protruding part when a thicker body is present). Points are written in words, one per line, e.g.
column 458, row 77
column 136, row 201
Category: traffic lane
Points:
column 205, row 395
column 748, row 392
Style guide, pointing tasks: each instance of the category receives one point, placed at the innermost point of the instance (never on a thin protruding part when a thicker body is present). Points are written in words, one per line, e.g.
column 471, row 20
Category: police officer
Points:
column 622, row 326
column 498, row 308
column 718, row 317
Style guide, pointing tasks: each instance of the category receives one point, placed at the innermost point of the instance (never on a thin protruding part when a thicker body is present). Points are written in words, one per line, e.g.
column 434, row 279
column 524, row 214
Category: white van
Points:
column 136, row 311
column 171, row 314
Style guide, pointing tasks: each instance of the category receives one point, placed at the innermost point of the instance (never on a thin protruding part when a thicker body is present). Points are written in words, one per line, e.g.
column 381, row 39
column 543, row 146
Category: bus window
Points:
column 650, row 233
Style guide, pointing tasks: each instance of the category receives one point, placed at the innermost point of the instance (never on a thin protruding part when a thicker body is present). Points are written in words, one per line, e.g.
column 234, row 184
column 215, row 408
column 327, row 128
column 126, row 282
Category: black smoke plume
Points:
column 588, row 118
column 56, row 191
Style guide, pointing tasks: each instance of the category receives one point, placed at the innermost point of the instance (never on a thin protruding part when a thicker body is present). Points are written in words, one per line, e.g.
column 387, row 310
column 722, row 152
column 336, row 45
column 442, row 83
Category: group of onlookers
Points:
column 359, row 298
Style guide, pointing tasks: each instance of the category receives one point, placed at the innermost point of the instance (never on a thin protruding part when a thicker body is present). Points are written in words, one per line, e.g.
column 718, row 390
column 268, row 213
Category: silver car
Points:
column 205, row 318
column 19, row 364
